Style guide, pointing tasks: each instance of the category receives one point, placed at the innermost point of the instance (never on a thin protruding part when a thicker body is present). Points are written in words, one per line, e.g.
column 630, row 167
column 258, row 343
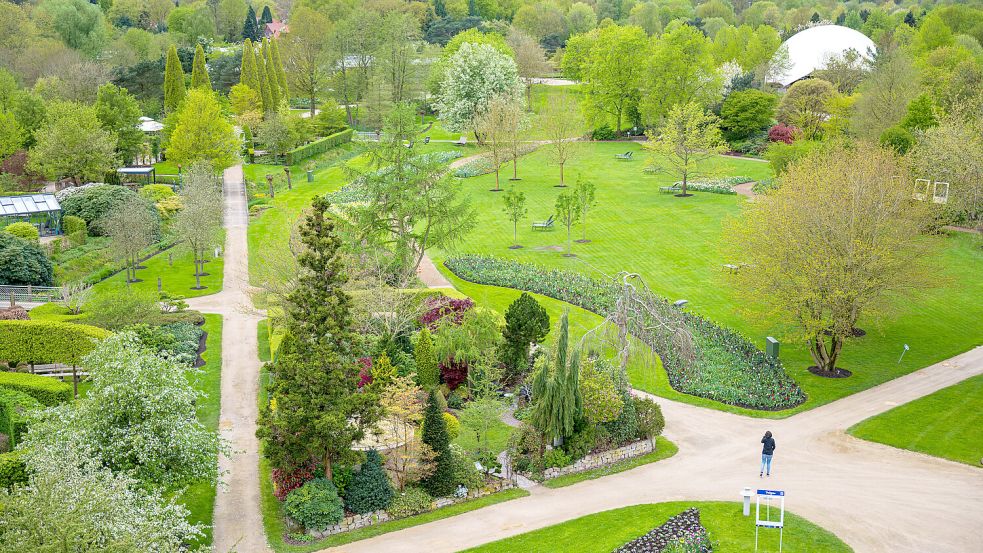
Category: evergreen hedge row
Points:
column 46, row 390
column 318, row 146
column 47, row 341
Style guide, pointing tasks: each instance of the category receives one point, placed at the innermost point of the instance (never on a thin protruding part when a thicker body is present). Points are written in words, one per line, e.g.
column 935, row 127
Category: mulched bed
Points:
column 836, row 373
column 686, row 522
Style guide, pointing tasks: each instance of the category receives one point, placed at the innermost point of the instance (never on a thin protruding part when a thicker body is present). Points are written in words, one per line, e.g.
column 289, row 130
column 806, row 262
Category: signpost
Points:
column 768, row 496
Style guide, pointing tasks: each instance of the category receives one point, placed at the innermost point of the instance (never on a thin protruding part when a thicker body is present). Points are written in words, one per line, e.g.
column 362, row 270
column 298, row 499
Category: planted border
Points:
column 730, row 369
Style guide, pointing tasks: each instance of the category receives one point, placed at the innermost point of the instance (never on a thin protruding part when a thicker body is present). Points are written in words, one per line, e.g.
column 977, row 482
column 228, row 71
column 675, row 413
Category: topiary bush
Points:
column 47, row 391
column 651, row 422
column 47, row 341
column 76, row 229
column 369, row 489
column 23, row 263
column 315, row 505
column 411, row 502
column 24, row 231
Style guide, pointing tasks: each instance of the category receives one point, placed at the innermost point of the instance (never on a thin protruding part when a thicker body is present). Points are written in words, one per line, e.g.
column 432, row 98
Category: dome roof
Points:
column 808, row 50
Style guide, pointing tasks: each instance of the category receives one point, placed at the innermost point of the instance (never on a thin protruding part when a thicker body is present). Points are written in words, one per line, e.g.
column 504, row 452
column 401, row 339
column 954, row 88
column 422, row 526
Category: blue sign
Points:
column 776, row 493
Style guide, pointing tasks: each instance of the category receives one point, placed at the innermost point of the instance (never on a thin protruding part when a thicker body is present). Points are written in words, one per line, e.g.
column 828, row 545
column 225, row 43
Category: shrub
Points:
column 624, row 429
column 439, row 307
column 157, row 192
column 650, row 419
column 286, row 481
column 411, row 502
column 781, row 155
column 453, row 426
column 15, row 313
column 604, row 132
column 318, row 146
column 745, row 112
column 369, row 489
column 434, row 433
column 115, row 311
column 582, row 442
column 177, row 341
column 427, row 370
column 47, row 341
column 24, row 231
column 315, row 505
column 15, row 406
column 23, row 263
column 47, row 391
column 526, row 322
column 453, row 373
column 897, row 138
column 465, row 473
column 95, row 203
column 341, row 476
column 782, row 133
column 13, row 470
column 556, row 458
column 76, row 229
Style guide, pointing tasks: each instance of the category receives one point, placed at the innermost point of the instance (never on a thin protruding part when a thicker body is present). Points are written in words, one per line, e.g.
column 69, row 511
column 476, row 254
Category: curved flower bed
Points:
column 729, row 369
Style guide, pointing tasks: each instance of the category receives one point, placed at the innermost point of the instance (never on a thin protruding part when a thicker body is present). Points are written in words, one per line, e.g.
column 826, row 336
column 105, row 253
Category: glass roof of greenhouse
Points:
column 28, row 204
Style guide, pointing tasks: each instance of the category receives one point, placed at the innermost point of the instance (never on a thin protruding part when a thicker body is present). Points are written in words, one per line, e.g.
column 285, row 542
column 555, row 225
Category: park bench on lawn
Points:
column 625, row 156
column 670, row 189
column 426, row 140
column 543, row 225
column 410, row 145
column 463, row 141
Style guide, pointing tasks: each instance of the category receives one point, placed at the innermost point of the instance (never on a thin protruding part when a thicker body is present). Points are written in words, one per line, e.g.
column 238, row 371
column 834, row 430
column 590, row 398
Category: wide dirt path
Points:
column 238, row 523
column 875, row 498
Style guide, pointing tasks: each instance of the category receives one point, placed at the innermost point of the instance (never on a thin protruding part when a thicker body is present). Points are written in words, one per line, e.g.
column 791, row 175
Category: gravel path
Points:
column 238, row 523
column 874, row 497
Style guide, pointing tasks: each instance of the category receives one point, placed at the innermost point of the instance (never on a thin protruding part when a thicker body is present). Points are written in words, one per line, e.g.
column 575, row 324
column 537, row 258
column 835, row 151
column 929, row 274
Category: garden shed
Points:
column 41, row 210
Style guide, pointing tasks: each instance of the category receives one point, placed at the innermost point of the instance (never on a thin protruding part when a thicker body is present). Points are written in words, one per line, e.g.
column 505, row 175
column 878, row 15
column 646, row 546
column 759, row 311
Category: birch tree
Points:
column 199, row 223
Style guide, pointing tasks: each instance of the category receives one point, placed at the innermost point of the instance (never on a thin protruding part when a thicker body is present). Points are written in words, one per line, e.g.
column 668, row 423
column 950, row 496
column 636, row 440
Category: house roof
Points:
column 28, row 204
column 275, row 28
column 810, row 49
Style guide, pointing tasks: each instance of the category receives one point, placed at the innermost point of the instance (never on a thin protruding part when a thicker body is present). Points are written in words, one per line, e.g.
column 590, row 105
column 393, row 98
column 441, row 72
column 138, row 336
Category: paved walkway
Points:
column 875, row 498
column 238, row 522
column 430, row 276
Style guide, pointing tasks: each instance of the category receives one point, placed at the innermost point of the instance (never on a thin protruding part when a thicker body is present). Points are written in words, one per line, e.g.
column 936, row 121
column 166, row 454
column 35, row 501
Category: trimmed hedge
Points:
column 12, row 469
column 731, row 369
column 318, row 146
column 14, row 405
column 47, row 341
column 48, row 391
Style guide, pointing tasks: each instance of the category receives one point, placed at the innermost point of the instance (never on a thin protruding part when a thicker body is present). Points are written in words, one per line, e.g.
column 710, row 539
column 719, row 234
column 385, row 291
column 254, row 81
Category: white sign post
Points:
column 768, row 496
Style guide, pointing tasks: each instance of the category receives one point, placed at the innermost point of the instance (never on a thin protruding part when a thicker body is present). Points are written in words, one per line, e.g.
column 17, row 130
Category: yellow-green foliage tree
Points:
column 199, row 73
column 201, row 133
column 830, row 244
column 47, row 341
column 174, row 90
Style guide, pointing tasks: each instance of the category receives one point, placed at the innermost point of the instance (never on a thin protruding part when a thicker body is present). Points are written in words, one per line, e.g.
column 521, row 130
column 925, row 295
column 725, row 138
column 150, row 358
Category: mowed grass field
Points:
column 676, row 245
column 947, row 424
column 729, row 531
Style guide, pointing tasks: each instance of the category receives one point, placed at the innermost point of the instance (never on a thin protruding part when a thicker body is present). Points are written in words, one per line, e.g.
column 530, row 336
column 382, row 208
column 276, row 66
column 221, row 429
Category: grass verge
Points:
column 663, row 450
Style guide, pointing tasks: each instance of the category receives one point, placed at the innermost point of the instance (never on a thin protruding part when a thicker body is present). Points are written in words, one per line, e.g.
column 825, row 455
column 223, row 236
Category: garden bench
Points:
column 543, row 225
column 670, row 189
column 625, row 156
column 410, row 145
column 426, row 140
column 731, row 267
column 463, row 141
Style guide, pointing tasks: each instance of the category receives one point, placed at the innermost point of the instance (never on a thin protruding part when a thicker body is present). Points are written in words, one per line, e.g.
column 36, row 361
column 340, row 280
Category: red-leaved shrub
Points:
column 364, row 371
column 285, row 482
column 453, row 373
column 441, row 306
column 782, row 133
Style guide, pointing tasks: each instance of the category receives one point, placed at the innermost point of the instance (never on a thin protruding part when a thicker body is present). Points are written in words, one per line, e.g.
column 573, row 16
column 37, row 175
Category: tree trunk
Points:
column 515, row 232
column 561, row 174
column 328, row 473
column 497, row 169
column 313, row 107
column 515, row 167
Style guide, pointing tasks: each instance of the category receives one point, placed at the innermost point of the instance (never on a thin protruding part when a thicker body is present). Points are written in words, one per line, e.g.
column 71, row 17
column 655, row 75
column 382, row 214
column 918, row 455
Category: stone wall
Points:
column 355, row 522
column 602, row 459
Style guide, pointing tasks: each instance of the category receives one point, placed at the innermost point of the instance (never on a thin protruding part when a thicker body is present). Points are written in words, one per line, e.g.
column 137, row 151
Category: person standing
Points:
column 767, row 451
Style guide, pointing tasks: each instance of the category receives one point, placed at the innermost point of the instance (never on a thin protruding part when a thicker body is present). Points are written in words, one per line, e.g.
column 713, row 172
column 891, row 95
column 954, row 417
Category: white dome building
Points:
column 809, row 50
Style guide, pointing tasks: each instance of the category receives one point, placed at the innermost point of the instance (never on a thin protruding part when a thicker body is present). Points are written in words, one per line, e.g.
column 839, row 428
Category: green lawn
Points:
column 200, row 498
column 674, row 243
column 175, row 267
column 947, row 424
column 729, row 530
column 664, row 449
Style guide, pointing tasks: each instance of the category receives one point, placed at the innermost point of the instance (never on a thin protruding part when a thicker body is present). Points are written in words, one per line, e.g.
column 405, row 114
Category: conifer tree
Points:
column 248, row 75
column 267, row 16
column 199, row 73
column 173, row 81
column 281, row 75
column 556, row 391
column 369, row 489
column 263, row 83
column 316, row 409
column 427, row 369
column 250, row 30
column 439, row 8
column 441, row 482
column 271, row 82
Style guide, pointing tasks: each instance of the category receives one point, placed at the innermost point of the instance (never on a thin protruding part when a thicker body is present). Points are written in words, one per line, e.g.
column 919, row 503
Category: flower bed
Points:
column 355, row 521
column 683, row 532
column 717, row 186
column 729, row 368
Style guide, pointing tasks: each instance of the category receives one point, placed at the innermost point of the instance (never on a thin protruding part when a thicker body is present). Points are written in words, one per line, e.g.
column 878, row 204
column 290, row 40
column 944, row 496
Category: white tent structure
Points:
column 810, row 49
column 149, row 125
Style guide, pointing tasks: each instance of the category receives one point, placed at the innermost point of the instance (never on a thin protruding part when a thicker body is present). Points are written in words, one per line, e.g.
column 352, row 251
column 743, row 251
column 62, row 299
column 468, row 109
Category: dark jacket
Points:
column 769, row 447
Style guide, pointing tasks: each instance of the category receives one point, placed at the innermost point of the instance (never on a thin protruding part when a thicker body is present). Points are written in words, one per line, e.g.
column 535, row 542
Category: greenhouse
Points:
column 41, row 210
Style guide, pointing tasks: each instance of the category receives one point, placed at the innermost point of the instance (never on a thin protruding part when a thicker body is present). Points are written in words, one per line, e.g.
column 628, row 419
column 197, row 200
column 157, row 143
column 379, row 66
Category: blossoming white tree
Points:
column 474, row 75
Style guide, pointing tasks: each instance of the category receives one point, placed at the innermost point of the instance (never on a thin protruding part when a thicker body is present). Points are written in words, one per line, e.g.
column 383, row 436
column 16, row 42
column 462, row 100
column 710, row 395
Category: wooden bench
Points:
column 543, row 225
column 625, row 156
column 670, row 189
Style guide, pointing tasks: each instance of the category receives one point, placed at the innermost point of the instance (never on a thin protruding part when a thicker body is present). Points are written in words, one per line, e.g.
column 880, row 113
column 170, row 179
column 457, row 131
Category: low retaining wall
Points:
column 355, row 522
column 602, row 459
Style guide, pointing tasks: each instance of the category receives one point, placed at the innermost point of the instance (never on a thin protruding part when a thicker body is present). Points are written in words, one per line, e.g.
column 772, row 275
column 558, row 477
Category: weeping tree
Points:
column 556, row 390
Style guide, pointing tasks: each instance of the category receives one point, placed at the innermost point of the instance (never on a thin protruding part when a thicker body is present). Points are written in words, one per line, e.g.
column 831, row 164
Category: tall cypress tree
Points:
column 173, row 81
column 271, row 82
column 556, row 391
column 267, row 16
column 262, row 82
column 441, row 482
column 248, row 75
column 427, row 369
column 250, row 30
column 199, row 73
column 440, row 8
column 319, row 412
column 472, row 8
column 281, row 75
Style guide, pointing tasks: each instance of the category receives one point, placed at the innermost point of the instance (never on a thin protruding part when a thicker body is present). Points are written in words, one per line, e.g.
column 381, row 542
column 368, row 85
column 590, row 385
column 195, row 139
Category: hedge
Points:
column 318, row 146
column 13, row 406
column 12, row 469
column 47, row 341
column 48, row 391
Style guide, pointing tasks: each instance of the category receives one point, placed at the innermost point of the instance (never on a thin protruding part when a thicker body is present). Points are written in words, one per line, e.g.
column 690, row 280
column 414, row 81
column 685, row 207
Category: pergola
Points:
column 41, row 210
column 149, row 174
